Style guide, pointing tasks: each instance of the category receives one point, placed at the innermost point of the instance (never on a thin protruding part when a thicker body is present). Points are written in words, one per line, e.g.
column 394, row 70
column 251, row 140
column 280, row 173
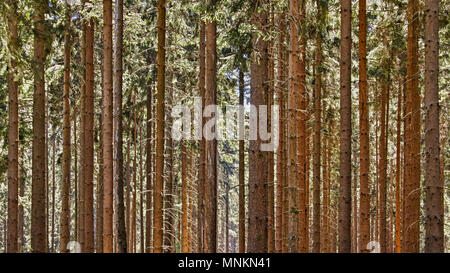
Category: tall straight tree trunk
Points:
column 99, row 222
column 241, row 172
column 383, row 168
column 201, row 173
column 345, row 207
column 89, row 141
column 38, row 199
column 413, row 125
column 281, row 167
column 293, row 101
column 107, row 127
column 159, row 168
column 210, row 224
column 81, row 191
column 118, row 128
column 257, row 195
column 75, row 173
column 184, row 205
column 270, row 155
column 317, row 128
column 364, row 146
column 149, row 188
column 134, row 203
column 13, row 133
column 434, row 228
column 141, row 193
column 398, row 201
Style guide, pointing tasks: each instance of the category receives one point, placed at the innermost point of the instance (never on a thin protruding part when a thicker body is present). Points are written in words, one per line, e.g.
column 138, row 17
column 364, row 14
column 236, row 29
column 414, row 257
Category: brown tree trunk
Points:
column 184, row 205
column 317, row 127
column 270, row 158
column 257, row 195
column 99, row 223
column 398, row 201
column 364, row 146
column 210, row 239
column 413, row 125
column 293, row 105
column 118, row 128
column 281, row 164
column 345, row 207
column 89, row 141
column 434, row 227
column 241, row 173
column 107, row 127
column 38, row 199
column 13, row 133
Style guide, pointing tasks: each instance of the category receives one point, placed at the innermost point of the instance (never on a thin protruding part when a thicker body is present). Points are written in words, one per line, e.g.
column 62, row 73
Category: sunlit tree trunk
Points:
column 107, row 127
column 412, row 141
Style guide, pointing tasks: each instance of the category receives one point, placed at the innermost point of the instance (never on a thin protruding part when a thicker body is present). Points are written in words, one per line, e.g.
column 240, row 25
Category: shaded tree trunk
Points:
column 345, row 207
column 257, row 195
column 13, row 132
column 107, row 127
column 38, row 199
column 434, row 228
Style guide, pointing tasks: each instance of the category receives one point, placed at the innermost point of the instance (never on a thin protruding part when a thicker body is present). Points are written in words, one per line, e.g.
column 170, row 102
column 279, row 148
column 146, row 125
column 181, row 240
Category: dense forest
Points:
column 353, row 95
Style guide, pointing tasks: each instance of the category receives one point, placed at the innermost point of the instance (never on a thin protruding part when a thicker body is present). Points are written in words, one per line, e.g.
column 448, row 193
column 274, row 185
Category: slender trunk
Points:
column 159, row 180
column 89, row 141
column 398, row 210
column 364, row 146
column 241, row 173
column 257, row 195
column 345, row 207
column 303, row 229
column 107, row 127
column 13, row 133
column 118, row 128
column 413, row 128
column 184, row 208
column 281, row 167
column 210, row 223
column 38, row 208
column 293, row 101
column 99, row 223
column 434, row 227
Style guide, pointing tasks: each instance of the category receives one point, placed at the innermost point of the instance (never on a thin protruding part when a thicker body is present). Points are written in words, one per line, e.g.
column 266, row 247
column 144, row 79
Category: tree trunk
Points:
column 281, row 163
column 118, row 129
column 107, row 127
column 241, row 173
column 38, row 208
column 89, row 141
column 257, row 195
column 13, row 133
column 210, row 239
column 412, row 142
column 434, row 227
column 293, row 101
column 364, row 146
column 345, row 207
